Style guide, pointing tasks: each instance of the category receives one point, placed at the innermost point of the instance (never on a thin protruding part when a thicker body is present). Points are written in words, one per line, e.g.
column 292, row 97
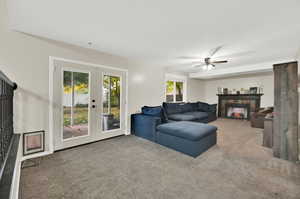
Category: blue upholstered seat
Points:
column 197, row 112
column 198, row 115
column 182, row 117
column 187, row 130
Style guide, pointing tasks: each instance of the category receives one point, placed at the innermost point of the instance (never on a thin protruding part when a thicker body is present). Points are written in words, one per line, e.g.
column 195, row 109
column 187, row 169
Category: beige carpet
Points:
column 133, row 168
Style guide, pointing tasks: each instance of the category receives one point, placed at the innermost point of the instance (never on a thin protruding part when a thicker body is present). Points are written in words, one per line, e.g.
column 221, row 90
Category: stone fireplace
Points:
column 238, row 106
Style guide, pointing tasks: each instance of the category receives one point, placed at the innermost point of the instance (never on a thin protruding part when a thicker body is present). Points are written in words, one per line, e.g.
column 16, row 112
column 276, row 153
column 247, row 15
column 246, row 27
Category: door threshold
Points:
column 88, row 143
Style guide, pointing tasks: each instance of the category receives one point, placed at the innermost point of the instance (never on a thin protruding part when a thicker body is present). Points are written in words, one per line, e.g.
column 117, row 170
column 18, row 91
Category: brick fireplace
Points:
column 238, row 106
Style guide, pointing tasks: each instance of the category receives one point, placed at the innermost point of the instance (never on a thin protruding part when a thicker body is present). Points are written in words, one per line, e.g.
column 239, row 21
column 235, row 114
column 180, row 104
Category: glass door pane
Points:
column 111, row 102
column 75, row 104
column 170, row 91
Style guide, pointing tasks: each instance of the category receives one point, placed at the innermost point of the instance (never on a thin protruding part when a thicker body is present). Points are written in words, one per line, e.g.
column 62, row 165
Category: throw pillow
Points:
column 155, row 111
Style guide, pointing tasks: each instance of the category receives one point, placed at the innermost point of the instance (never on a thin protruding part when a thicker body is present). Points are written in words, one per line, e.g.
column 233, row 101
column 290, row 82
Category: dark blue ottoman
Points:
column 191, row 138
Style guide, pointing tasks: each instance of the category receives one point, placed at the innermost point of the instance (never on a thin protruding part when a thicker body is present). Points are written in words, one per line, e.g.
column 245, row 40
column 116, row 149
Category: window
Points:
column 175, row 91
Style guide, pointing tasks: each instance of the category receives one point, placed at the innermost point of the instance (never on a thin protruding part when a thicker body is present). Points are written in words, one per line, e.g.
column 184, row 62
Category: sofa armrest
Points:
column 258, row 115
column 213, row 108
column 144, row 126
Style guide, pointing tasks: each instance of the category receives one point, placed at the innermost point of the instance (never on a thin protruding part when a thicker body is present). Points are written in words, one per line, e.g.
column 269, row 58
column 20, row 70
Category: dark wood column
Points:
column 286, row 111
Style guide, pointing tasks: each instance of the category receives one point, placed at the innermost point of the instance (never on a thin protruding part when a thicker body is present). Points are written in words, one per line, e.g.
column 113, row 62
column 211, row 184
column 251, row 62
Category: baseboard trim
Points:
column 15, row 188
column 37, row 155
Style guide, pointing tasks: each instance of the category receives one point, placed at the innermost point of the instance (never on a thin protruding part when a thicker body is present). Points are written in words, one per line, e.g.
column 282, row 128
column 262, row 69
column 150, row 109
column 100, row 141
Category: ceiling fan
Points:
column 207, row 63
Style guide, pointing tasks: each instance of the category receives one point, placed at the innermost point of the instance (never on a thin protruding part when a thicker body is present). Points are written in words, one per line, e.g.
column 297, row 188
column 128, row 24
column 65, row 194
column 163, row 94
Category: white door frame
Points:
column 51, row 93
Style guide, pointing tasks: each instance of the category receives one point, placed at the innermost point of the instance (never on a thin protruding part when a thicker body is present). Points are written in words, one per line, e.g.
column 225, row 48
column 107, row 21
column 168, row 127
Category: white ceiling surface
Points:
column 161, row 32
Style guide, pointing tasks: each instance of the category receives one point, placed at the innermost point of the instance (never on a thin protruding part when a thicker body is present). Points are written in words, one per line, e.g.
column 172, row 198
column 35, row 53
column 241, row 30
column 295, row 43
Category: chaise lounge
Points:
column 187, row 136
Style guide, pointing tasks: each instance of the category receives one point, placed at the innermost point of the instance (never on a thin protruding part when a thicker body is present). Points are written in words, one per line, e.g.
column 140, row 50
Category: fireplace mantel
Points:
column 240, row 94
column 252, row 99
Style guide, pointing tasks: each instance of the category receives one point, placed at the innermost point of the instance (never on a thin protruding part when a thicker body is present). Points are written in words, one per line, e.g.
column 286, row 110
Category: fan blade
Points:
column 215, row 50
column 236, row 55
column 190, row 57
column 219, row 62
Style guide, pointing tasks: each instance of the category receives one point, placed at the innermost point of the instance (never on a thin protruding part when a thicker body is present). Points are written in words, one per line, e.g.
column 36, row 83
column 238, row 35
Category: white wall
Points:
column 25, row 60
column 265, row 80
column 195, row 90
column 146, row 87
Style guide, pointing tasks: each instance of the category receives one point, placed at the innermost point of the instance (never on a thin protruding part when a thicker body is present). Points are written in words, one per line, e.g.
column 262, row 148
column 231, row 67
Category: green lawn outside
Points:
column 81, row 115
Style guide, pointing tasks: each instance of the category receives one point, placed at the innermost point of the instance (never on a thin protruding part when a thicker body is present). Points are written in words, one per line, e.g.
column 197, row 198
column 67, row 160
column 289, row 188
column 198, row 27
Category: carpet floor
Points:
column 128, row 167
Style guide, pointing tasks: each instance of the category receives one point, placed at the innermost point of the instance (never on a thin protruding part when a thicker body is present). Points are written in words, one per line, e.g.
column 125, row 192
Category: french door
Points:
column 89, row 104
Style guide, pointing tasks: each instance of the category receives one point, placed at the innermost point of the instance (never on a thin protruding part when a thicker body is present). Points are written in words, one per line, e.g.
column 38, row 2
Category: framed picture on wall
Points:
column 33, row 142
column 253, row 90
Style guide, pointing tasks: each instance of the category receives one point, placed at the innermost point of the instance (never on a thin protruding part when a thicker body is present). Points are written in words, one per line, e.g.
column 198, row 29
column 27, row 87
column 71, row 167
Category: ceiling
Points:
column 161, row 32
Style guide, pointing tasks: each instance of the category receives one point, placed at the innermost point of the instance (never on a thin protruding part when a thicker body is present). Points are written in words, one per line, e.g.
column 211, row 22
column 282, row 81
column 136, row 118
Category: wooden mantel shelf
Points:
column 260, row 94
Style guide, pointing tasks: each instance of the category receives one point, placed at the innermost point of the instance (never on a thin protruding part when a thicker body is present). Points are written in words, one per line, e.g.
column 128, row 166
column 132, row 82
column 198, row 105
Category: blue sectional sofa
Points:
column 177, row 126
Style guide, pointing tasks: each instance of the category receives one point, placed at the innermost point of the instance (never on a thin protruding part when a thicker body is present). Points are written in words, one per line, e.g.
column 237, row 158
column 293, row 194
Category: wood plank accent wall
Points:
column 286, row 111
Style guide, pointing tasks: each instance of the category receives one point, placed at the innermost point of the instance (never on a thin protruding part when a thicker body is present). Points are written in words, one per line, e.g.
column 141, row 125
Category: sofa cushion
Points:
column 152, row 110
column 194, row 105
column 187, row 130
column 186, row 107
column 173, row 108
column 197, row 114
column 203, row 107
column 182, row 117
column 213, row 107
column 156, row 111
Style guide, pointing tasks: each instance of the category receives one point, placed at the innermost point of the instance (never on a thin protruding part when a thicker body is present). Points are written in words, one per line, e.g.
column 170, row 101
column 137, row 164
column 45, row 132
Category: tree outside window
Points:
column 174, row 91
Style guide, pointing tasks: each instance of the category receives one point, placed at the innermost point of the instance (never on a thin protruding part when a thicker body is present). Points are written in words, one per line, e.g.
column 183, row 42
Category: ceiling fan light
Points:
column 209, row 67
column 205, row 67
